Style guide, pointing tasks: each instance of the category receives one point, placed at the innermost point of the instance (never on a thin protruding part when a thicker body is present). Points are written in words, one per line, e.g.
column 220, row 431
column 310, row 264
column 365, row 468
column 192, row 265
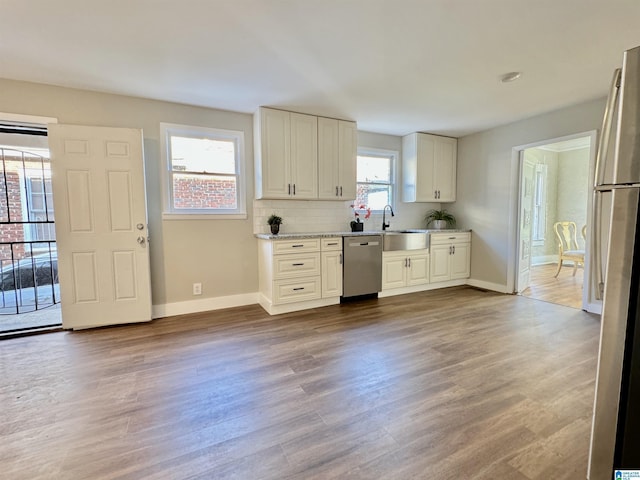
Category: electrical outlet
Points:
column 197, row 289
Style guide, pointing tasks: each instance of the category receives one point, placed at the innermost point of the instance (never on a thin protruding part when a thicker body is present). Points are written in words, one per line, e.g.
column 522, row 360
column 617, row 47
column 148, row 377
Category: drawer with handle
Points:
column 289, row 291
column 298, row 265
column 296, row 246
column 447, row 238
column 331, row 244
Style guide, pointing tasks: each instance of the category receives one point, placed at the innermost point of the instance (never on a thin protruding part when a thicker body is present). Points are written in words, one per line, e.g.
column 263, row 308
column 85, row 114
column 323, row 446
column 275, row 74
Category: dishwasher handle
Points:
column 364, row 244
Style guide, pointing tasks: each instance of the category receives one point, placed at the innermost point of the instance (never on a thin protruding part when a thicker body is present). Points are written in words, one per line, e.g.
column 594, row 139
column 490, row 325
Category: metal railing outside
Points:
column 29, row 283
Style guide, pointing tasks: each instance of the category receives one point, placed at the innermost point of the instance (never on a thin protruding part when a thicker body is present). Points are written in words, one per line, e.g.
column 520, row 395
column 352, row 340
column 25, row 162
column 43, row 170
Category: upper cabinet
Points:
column 337, row 149
column 286, row 153
column 429, row 168
column 304, row 157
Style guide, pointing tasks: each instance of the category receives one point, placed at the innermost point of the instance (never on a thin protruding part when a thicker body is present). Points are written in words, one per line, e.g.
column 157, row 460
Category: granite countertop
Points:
column 290, row 236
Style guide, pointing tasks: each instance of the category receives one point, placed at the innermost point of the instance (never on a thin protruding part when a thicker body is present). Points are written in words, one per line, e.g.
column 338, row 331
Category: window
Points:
column 204, row 170
column 539, row 214
column 40, row 201
column 375, row 178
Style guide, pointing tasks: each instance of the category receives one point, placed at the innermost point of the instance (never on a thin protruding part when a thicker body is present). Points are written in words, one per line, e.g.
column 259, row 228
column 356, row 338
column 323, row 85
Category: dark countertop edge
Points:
column 285, row 236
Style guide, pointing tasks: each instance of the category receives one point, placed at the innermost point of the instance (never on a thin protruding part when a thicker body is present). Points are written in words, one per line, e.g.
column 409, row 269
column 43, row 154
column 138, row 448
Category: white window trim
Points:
column 28, row 194
column 169, row 213
column 380, row 152
column 540, row 169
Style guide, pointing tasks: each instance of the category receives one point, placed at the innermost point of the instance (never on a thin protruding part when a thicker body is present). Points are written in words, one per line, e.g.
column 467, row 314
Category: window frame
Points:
column 539, row 220
column 393, row 156
column 168, row 130
column 31, row 229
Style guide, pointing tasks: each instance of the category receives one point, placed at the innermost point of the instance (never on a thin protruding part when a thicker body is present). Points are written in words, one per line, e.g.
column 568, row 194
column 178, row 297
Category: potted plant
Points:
column 441, row 219
column 274, row 222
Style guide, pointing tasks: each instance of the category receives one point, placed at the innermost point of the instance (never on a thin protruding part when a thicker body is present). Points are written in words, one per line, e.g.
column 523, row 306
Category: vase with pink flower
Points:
column 358, row 211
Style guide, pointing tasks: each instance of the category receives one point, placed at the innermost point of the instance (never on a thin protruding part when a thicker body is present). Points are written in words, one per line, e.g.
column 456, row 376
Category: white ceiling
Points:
column 394, row 66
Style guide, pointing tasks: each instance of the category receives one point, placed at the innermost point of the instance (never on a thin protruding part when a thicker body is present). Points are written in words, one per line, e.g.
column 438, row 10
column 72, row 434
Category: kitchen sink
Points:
column 393, row 240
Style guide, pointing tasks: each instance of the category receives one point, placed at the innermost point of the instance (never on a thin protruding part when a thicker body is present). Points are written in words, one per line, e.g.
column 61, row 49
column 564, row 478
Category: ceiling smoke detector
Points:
column 510, row 77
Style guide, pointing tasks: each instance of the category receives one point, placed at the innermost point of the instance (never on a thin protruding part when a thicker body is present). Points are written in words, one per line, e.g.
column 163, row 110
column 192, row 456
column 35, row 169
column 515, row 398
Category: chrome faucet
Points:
column 385, row 224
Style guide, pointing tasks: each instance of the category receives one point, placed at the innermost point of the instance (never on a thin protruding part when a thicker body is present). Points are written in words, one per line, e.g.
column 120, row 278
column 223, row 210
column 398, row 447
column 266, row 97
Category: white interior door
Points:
column 101, row 225
column 527, row 185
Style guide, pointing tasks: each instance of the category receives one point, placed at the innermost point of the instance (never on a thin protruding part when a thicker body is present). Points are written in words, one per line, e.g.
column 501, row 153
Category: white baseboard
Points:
column 495, row 287
column 217, row 303
column 203, row 305
column 544, row 259
column 295, row 306
column 594, row 308
column 420, row 288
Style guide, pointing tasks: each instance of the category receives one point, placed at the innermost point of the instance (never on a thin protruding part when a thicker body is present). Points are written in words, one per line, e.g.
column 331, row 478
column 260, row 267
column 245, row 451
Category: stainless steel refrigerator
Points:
column 615, row 435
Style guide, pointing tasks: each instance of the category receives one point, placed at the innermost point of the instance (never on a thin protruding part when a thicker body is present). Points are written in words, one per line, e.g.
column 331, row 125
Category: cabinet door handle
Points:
column 409, row 260
column 294, row 188
column 297, row 246
column 336, row 190
column 340, row 190
column 450, row 249
column 297, row 264
column 288, row 189
column 454, row 249
column 298, row 288
column 340, row 261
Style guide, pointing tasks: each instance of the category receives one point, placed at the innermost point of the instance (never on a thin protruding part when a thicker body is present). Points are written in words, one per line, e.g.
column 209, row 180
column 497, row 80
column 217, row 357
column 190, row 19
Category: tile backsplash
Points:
column 301, row 216
column 310, row 216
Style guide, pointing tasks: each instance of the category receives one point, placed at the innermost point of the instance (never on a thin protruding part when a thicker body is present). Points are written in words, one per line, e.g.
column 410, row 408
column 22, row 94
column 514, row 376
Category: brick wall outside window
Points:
column 13, row 211
column 11, row 232
column 200, row 192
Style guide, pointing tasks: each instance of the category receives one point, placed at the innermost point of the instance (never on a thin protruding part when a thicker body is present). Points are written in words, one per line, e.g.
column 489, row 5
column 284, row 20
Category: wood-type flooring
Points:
column 565, row 289
column 447, row 384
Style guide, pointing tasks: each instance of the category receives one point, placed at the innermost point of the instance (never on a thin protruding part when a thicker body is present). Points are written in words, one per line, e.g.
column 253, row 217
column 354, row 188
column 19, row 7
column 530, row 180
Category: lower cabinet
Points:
column 299, row 274
column 307, row 273
column 445, row 264
column 406, row 268
column 450, row 256
column 331, row 271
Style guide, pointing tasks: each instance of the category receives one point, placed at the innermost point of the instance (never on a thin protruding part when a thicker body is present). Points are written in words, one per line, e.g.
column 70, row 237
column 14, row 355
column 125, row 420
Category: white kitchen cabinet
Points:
column 297, row 274
column 407, row 268
column 286, row 155
column 429, row 168
column 450, row 256
column 337, row 150
column 331, row 272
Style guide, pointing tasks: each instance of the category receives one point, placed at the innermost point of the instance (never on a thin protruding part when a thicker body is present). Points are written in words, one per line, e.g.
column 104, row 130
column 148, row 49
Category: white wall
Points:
column 573, row 188
column 550, row 159
column 222, row 254
column 487, row 174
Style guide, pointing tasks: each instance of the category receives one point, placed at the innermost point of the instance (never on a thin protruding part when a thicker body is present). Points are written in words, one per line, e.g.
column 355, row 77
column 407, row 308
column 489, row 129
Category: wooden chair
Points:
column 568, row 248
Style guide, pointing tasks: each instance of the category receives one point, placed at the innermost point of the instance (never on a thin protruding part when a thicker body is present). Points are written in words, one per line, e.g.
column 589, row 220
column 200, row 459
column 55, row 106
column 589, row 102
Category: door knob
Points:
column 141, row 240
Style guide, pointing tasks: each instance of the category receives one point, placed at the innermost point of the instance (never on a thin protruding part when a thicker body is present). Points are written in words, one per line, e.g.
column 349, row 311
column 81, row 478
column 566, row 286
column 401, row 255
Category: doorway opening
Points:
column 553, row 221
column 29, row 286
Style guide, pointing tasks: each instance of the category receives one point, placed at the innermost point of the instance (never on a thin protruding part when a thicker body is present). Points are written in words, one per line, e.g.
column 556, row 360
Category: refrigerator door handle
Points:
column 597, row 258
column 605, row 132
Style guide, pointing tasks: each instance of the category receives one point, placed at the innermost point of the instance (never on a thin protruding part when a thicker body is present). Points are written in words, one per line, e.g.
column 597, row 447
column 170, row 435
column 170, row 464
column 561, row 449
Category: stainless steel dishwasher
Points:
column 362, row 269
